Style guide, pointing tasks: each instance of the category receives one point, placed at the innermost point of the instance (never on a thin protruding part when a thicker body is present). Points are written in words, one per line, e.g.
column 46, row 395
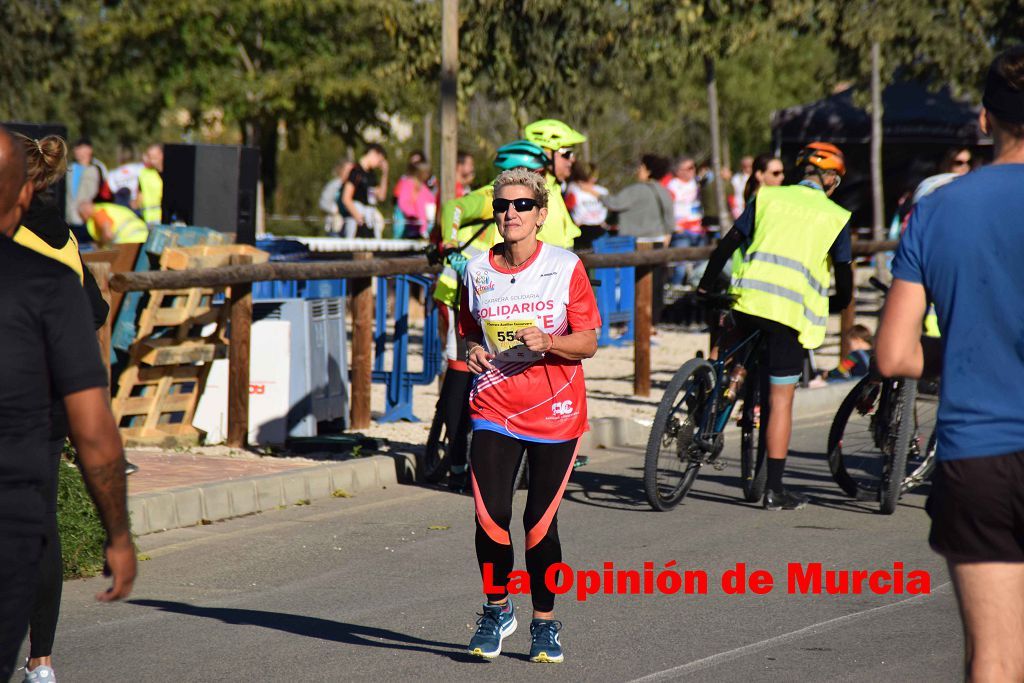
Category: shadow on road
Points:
column 614, row 491
column 314, row 627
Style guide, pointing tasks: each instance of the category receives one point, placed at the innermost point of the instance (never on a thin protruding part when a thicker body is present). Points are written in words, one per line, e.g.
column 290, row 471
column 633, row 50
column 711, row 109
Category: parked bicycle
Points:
column 882, row 441
column 689, row 426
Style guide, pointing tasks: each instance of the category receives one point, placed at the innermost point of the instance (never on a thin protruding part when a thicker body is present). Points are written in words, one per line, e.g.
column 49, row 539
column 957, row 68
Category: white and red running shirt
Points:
column 528, row 396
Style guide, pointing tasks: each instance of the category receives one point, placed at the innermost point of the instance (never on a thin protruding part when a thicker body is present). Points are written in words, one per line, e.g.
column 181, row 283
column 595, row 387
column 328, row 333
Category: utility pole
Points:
column 724, row 217
column 878, row 211
column 877, row 196
column 449, row 96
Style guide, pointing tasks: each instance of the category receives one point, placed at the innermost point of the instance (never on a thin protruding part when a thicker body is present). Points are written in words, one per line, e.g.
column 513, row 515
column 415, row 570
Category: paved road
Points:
column 364, row 589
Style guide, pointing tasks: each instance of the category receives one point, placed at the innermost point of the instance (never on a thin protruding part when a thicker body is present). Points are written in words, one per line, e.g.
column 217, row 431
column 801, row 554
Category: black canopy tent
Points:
column 918, row 126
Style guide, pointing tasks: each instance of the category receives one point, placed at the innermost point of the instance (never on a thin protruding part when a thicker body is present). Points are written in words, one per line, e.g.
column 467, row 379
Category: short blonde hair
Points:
column 534, row 182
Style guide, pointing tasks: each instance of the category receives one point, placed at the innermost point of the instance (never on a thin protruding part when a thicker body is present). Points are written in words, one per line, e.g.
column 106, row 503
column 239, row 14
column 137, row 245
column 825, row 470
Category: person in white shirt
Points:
column 583, row 199
column 330, row 195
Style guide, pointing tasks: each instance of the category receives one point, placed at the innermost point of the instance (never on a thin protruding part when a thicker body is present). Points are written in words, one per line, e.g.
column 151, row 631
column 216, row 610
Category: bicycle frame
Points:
column 713, row 422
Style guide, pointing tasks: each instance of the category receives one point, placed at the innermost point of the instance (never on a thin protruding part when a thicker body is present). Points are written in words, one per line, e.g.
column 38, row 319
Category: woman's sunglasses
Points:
column 522, row 205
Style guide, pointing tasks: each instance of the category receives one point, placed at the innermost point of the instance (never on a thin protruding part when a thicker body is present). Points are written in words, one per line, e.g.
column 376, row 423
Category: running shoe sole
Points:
column 478, row 652
column 543, row 658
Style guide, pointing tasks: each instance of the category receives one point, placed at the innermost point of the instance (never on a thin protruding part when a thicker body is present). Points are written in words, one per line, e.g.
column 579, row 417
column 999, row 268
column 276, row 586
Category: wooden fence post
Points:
column 101, row 273
column 362, row 345
column 238, row 360
column 643, row 302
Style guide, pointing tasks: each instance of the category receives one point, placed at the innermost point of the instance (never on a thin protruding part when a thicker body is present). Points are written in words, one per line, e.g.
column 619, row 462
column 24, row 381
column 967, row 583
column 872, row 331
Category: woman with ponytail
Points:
column 43, row 230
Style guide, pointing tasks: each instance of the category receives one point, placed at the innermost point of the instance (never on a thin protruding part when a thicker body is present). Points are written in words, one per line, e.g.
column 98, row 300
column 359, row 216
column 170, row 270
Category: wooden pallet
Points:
column 168, row 363
column 155, row 406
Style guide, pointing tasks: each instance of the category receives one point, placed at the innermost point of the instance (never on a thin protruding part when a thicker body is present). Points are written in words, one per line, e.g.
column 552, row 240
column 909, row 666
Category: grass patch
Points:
column 81, row 533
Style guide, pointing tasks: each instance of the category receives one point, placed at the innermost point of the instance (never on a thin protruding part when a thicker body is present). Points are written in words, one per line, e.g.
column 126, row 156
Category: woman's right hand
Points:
column 478, row 360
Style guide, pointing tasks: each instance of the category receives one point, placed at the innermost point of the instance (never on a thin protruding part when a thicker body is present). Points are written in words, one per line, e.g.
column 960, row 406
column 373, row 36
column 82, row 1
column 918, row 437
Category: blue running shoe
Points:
column 545, row 646
column 494, row 625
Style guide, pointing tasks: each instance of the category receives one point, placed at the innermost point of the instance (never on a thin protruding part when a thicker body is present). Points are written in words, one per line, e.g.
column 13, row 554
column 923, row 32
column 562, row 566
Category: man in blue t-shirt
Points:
column 963, row 250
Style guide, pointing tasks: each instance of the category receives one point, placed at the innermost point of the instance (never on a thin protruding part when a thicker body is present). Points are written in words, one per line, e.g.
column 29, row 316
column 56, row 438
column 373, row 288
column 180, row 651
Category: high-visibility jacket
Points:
column 558, row 229
column 151, row 194
column 128, row 228
column 68, row 254
column 785, row 273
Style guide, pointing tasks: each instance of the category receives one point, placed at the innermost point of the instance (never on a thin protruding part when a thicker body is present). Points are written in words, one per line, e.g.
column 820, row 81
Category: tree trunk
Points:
column 724, row 216
column 877, row 195
column 263, row 136
column 449, row 96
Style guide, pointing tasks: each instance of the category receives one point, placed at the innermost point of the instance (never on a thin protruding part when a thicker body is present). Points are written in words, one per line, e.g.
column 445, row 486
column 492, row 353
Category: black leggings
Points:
column 494, row 462
column 46, row 607
column 455, row 403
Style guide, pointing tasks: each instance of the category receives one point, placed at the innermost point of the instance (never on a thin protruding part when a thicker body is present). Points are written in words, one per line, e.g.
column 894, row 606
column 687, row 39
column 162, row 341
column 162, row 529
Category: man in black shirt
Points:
column 361, row 193
column 44, row 318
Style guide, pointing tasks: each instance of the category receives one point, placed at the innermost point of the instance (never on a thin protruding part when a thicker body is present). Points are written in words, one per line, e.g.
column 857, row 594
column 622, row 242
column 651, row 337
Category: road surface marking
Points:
column 729, row 655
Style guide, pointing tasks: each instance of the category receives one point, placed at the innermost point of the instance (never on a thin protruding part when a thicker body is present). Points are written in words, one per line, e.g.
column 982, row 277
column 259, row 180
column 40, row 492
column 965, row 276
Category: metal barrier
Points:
column 615, row 291
column 399, row 381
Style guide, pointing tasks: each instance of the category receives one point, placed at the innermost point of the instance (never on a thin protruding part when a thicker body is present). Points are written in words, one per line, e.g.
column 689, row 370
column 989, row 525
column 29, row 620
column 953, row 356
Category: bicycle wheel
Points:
column 753, row 473
column 854, row 456
column 901, row 431
column 921, row 454
column 434, row 463
column 673, row 460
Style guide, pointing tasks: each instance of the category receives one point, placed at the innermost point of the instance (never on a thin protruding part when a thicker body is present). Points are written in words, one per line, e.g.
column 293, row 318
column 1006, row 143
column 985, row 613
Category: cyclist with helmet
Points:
column 789, row 235
column 558, row 140
column 467, row 229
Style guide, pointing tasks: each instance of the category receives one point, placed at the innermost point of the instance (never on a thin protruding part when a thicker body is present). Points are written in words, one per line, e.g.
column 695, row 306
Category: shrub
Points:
column 81, row 533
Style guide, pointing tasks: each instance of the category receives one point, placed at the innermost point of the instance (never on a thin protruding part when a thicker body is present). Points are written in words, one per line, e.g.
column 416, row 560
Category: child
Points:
column 857, row 361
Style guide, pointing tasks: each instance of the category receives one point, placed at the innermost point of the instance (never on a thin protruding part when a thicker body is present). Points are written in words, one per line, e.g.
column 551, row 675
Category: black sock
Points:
column 775, row 469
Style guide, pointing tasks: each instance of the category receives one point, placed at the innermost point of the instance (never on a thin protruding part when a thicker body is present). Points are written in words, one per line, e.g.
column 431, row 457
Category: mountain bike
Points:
column 882, row 442
column 689, row 426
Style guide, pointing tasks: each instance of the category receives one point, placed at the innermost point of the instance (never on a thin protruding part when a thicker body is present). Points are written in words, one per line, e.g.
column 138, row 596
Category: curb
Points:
column 615, row 432
column 191, row 505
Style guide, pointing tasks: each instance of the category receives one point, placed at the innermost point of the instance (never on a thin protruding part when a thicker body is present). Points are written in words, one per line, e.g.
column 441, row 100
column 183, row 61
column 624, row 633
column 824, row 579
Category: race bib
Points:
column 502, row 335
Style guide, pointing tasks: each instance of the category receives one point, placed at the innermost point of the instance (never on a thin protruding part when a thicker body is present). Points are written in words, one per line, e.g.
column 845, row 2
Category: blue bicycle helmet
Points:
column 520, row 154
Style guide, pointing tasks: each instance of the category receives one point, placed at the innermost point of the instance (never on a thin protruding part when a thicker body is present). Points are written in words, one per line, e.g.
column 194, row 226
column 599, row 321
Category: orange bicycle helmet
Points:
column 824, row 156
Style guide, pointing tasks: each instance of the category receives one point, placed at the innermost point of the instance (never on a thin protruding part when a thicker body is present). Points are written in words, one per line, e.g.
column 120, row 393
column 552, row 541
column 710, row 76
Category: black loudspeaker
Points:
column 212, row 186
column 37, row 131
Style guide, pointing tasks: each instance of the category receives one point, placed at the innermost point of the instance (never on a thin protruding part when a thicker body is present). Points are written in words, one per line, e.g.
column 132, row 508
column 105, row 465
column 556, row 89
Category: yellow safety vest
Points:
column 558, row 229
column 68, row 254
column 128, row 227
column 785, row 274
column 931, row 322
column 151, row 194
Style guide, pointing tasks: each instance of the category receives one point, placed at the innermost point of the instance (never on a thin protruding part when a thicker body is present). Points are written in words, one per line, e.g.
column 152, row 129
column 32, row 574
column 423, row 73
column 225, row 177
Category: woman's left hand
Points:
column 535, row 339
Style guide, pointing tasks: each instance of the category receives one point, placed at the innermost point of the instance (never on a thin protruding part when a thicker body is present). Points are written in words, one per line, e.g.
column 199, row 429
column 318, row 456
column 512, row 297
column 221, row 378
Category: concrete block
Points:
column 243, row 497
column 189, row 507
column 364, row 474
column 387, row 474
column 318, row 482
column 341, row 478
column 160, row 512
column 137, row 513
column 294, row 487
column 216, row 501
column 268, row 492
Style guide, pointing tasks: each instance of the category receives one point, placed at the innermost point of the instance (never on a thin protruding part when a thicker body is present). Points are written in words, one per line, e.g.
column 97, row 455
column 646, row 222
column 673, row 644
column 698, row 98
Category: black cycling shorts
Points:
column 977, row 509
column 785, row 353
